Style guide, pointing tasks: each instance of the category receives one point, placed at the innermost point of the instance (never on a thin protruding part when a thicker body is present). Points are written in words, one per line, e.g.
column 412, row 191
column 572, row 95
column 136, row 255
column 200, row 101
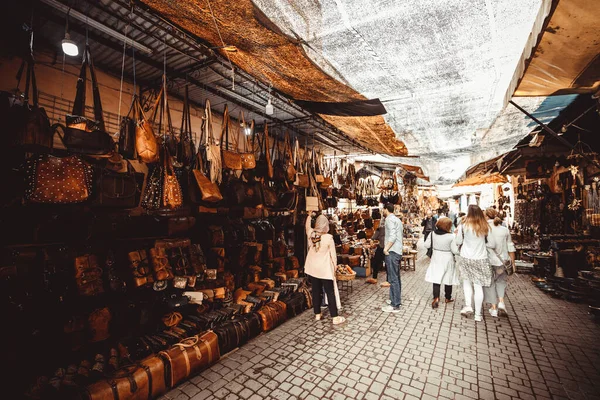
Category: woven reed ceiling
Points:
column 442, row 68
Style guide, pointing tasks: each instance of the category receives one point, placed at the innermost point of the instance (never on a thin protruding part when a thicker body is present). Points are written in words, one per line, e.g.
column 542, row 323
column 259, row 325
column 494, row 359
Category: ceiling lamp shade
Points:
column 269, row 108
column 69, row 47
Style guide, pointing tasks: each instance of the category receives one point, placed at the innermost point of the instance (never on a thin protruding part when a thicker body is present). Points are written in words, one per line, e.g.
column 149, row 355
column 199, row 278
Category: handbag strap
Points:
column 79, row 104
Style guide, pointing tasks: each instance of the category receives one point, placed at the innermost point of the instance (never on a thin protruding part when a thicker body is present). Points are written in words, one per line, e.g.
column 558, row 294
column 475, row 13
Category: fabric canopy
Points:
column 567, row 58
column 482, row 179
column 362, row 108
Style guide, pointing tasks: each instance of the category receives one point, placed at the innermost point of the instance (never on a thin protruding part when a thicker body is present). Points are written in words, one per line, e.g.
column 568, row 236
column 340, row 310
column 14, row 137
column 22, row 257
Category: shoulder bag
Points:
column 231, row 158
column 84, row 135
column 248, row 158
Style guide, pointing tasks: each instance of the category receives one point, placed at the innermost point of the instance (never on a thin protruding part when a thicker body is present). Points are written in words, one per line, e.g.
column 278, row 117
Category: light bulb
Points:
column 269, row 108
column 69, row 47
column 248, row 131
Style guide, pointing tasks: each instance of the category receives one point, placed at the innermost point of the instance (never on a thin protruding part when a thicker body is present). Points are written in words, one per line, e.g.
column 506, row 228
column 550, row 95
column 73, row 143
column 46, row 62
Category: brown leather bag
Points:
column 146, row 144
column 88, row 275
column 292, row 273
column 145, row 380
column 354, row 261
column 240, row 294
column 99, row 323
column 293, row 263
column 172, row 195
column 160, row 264
column 190, row 356
column 345, row 248
column 231, row 158
column 272, row 315
column 248, row 158
column 140, row 268
column 307, row 295
column 56, row 180
column 210, row 191
column 218, row 255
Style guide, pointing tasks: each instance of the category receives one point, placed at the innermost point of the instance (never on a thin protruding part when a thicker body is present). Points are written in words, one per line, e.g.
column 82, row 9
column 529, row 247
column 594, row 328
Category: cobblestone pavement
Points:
column 545, row 349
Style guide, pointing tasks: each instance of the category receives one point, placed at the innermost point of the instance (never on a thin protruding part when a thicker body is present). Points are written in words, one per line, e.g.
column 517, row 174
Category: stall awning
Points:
column 481, row 180
column 416, row 171
column 567, row 58
column 484, row 168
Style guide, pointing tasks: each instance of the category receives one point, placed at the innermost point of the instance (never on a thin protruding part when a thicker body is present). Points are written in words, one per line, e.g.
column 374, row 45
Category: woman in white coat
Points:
column 504, row 250
column 320, row 265
column 442, row 269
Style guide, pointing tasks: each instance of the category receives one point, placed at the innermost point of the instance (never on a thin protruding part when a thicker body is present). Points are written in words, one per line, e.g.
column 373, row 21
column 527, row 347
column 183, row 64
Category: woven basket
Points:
column 345, row 277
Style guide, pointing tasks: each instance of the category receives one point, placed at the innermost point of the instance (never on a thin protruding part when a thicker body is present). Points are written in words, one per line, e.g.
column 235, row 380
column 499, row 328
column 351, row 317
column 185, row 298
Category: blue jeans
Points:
column 392, row 264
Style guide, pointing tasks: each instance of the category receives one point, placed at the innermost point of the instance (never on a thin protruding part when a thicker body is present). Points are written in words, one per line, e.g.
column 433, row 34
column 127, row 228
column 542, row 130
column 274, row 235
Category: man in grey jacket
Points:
column 393, row 254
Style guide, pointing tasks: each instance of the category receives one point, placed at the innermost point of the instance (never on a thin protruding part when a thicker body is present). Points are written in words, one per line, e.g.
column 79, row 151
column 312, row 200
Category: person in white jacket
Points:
column 320, row 265
column 442, row 270
column 474, row 265
column 505, row 250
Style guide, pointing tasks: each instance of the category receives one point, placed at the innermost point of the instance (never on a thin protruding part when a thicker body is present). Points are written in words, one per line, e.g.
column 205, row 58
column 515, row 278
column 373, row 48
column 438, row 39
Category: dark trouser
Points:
column 426, row 234
column 317, row 291
column 392, row 263
column 447, row 289
column 377, row 261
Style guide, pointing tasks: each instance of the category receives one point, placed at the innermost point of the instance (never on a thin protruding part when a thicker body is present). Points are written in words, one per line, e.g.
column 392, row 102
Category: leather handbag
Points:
column 83, row 135
column 126, row 143
column 160, row 264
column 292, row 273
column 190, row 356
column 231, row 158
column 118, row 190
column 272, row 315
column 141, row 381
column 209, row 191
column 30, row 121
column 146, row 145
column 88, row 275
column 270, row 198
column 171, row 192
column 248, row 158
column 56, row 180
column 99, row 324
column 307, row 295
column 138, row 262
column 240, row 295
column 354, row 261
column 217, row 258
column 185, row 146
column 264, row 164
column 292, row 262
column 295, row 304
column 217, row 236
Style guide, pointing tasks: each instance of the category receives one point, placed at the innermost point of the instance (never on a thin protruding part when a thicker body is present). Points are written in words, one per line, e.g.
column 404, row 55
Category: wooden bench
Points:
column 409, row 261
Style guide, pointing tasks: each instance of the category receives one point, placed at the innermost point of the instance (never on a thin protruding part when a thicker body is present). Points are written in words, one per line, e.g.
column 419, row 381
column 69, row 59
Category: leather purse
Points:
column 209, row 191
column 292, row 273
column 30, row 121
column 126, row 143
column 189, row 357
column 247, row 157
column 88, row 275
column 122, row 190
column 270, row 198
column 138, row 263
column 171, row 192
column 217, row 236
column 160, row 264
column 142, row 381
column 99, row 324
column 231, row 158
column 146, row 145
column 56, row 180
column 240, row 295
column 217, row 255
column 83, row 135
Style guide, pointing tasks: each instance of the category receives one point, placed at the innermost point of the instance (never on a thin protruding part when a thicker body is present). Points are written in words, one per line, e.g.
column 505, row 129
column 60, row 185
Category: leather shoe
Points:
column 435, row 303
column 449, row 300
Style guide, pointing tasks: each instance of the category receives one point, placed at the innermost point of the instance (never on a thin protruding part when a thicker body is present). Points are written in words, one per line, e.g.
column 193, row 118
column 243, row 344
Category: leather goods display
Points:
column 269, row 283
column 141, row 381
column 146, row 145
column 88, row 275
column 189, row 357
column 240, row 295
column 121, row 190
column 58, row 180
column 345, row 248
column 273, row 314
column 83, row 135
column 238, row 332
column 180, row 225
column 171, row 192
column 185, row 146
column 209, row 191
column 29, row 120
column 211, row 274
column 217, row 258
column 231, row 158
column 98, row 324
column 160, row 264
column 217, row 236
column 197, row 259
column 270, row 197
column 138, row 262
column 292, row 273
column 292, row 262
column 305, row 290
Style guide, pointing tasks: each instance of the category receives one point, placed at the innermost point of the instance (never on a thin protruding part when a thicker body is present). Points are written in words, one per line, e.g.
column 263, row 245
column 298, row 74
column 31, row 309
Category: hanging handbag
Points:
column 127, row 132
column 209, row 191
column 290, row 170
column 114, row 189
column 301, row 167
column 83, row 135
column 185, row 146
column 231, row 158
column 146, row 145
column 172, row 197
column 58, row 180
column 30, row 122
column 248, row 158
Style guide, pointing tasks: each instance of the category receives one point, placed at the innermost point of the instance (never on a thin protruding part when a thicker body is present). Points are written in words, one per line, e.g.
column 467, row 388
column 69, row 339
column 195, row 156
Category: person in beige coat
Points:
column 320, row 265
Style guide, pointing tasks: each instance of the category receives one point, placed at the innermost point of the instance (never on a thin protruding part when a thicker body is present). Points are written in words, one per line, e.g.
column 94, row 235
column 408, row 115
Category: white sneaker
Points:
column 477, row 318
column 501, row 306
column 466, row 311
column 493, row 313
column 338, row 320
column 388, row 302
column 390, row 309
column 317, row 317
